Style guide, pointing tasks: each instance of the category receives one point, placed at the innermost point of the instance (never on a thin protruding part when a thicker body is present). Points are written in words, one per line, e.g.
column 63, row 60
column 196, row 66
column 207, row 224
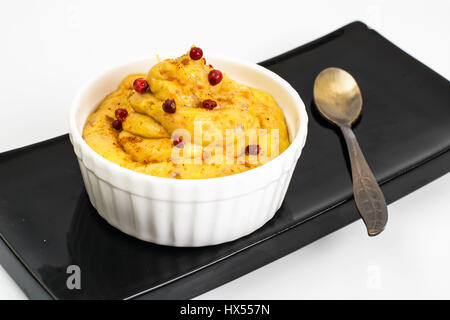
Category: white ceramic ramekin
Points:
column 188, row 212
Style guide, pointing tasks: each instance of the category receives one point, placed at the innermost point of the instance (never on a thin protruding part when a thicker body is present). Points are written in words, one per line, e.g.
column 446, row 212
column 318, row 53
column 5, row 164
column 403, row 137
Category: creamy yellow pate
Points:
column 215, row 142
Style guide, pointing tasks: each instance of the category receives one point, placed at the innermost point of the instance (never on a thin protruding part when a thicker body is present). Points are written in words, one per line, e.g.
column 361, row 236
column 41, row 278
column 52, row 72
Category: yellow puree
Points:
column 145, row 144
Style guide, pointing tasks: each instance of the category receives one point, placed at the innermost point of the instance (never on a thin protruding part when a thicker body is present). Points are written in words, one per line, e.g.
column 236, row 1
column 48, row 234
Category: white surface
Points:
column 188, row 213
column 9, row 290
column 50, row 47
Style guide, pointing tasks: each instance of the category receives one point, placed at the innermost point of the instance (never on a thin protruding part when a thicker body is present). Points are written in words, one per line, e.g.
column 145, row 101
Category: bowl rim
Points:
column 77, row 139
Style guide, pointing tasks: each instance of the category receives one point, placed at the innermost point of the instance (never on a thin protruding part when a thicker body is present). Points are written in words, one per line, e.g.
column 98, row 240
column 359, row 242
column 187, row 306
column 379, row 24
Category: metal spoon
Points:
column 338, row 98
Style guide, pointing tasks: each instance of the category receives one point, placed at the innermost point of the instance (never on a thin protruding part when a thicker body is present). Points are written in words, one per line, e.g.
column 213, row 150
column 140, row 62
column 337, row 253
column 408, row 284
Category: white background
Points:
column 49, row 48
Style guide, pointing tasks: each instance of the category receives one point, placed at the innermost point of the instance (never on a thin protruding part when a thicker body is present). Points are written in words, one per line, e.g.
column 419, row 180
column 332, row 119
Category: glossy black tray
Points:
column 47, row 222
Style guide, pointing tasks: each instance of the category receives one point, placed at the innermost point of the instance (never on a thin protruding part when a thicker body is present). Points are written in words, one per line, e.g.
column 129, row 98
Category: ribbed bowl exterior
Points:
column 186, row 223
column 187, row 213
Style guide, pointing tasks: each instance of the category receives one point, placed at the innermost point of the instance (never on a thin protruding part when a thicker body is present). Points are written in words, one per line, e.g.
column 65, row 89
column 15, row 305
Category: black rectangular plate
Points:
column 47, row 222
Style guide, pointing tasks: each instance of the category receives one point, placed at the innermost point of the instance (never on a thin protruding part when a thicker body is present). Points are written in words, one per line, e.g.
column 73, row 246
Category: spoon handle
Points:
column 368, row 196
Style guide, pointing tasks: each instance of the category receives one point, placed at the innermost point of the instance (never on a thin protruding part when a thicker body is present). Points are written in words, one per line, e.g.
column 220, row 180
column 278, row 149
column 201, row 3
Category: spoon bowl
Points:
column 337, row 96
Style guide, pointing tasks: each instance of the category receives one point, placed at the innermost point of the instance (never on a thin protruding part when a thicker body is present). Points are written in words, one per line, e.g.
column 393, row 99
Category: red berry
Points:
column 204, row 61
column 214, row 77
column 116, row 124
column 121, row 114
column 196, row 53
column 140, row 85
column 209, row 104
column 178, row 142
column 252, row 149
column 169, row 106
